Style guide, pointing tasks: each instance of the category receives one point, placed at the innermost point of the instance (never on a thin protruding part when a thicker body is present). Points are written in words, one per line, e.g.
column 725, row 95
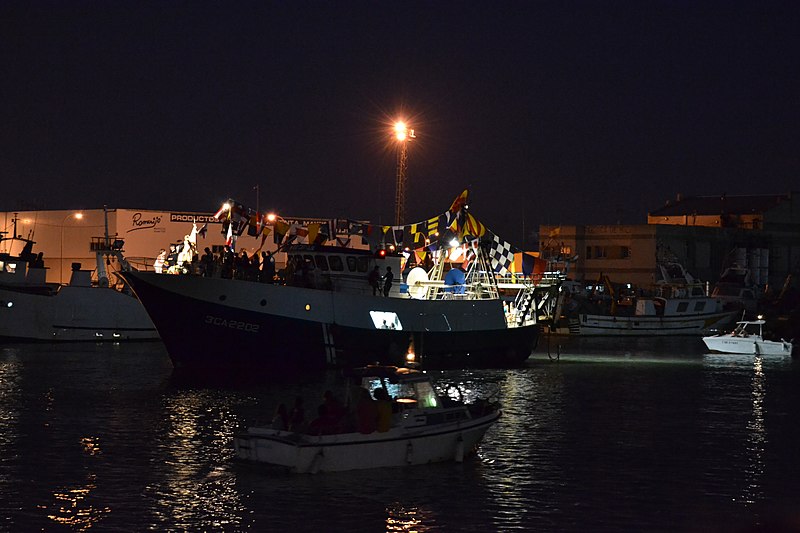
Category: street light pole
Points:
column 76, row 216
column 403, row 136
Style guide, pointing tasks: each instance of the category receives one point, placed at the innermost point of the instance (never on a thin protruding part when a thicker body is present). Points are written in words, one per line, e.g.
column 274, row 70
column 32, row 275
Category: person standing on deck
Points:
column 373, row 278
column 388, row 278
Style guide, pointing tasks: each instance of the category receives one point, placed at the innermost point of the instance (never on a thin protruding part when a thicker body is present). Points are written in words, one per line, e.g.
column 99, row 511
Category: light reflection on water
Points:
column 608, row 438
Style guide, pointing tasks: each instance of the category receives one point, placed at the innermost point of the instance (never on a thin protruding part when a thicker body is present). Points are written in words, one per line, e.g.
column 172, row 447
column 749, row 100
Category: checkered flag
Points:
column 501, row 255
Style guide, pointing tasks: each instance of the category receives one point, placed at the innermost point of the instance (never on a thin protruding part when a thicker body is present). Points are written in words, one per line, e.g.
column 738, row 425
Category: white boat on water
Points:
column 747, row 338
column 424, row 429
column 83, row 310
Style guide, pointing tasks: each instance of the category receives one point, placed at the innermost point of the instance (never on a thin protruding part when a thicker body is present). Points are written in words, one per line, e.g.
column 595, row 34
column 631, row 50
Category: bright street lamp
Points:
column 403, row 136
column 76, row 216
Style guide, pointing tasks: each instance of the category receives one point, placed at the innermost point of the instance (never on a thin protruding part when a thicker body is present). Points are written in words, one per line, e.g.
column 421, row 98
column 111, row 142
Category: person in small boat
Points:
column 334, row 409
column 366, row 412
column 384, row 408
column 323, row 424
column 281, row 418
column 297, row 417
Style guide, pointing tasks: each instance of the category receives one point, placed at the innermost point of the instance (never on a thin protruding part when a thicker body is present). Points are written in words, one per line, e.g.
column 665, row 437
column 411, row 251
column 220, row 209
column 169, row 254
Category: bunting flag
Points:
column 202, row 231
column 433, row 225
column 222, row 210
column 459, row 203
column 455, row 216
column 473, row 228
column 501, row 256
column 239, row 221
column 300, row 232
column 281, row 229
column 313, row 232
column 398, row 234
column 254, row 224
column 533, row 266
column 230, row 239
column 318, row 233
column 264, row 234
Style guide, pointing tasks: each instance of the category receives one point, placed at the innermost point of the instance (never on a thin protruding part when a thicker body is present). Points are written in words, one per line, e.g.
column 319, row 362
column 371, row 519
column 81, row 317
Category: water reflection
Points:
column 104, row 439
column 199, row 487
column 756, row 437
column 73, row 508
column 407, row 518
column 754, row 434
column 9, row 413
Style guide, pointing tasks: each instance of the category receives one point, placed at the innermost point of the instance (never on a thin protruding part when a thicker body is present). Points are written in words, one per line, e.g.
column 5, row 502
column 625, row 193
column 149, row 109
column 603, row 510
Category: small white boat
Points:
column 747, row 338
column 425, row 428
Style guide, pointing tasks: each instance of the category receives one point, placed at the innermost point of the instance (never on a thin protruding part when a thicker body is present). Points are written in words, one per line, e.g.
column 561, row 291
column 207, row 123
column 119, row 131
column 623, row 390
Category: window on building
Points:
column 625, row 252
column 600, row 251
column 588, row 252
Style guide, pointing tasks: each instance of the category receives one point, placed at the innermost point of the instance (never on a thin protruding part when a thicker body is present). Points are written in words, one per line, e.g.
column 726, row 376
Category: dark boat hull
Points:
column 212, row 324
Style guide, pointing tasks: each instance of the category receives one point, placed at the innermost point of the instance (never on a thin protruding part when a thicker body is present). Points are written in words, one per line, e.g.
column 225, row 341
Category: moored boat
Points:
column 424, row 428
column 747, row 338
column 677, row 306
column 82, row 310
column 326, row 314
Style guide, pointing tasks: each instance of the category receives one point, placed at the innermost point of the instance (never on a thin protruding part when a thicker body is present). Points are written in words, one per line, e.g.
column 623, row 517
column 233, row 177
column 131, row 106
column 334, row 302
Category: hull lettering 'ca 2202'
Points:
column 233, row 324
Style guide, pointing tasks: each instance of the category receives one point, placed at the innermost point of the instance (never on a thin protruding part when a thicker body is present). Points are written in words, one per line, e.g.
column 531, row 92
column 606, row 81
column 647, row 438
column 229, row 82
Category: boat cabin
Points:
column 17, row 263
column 674, row 306
column 338, row 269
column 410, row 388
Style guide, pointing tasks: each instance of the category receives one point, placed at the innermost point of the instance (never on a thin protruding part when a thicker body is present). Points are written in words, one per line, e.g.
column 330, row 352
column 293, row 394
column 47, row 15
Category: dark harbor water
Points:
column 648, row 435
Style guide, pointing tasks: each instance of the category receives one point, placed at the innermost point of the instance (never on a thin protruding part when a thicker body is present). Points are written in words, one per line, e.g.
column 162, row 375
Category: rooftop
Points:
column 712, row 205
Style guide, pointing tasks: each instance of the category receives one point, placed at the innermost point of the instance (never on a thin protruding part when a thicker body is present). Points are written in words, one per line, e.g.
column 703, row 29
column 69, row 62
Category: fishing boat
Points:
column 747, row 338
column 82, row 310
column 424, row 428
column 322, row 312
column 678, row 306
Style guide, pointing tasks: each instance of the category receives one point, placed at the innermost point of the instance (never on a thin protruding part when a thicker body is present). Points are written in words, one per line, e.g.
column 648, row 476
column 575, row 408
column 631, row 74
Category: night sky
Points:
column 551, row 112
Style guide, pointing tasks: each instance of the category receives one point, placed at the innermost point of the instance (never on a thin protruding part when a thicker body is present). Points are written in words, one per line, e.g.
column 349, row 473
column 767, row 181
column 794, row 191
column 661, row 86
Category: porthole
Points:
column 263, row 303
column 222, row 297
